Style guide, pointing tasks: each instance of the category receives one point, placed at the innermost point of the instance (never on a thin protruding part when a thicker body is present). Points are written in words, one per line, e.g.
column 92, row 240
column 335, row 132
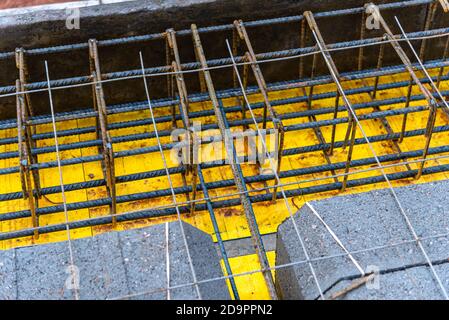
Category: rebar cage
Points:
column 109, row 167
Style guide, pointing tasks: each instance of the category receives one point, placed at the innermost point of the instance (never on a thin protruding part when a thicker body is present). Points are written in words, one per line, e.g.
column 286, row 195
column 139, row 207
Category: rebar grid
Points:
column 30, row 169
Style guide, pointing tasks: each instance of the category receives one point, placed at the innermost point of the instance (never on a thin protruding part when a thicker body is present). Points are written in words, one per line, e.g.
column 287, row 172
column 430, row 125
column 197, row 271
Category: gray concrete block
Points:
column 116, row 264
column 144, row 258
column 101, row 268
column 41, row 272
column 412, row 284
column 362, row 221
column 204, row 260
column 8, row 283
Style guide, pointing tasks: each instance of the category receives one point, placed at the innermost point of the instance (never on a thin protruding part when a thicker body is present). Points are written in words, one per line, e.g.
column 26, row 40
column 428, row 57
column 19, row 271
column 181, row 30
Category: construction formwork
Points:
column 110, row 167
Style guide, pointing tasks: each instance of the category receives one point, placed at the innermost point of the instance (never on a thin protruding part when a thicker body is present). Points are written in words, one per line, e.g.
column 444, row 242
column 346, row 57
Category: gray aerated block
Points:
column 114, row 265
column 362, row 221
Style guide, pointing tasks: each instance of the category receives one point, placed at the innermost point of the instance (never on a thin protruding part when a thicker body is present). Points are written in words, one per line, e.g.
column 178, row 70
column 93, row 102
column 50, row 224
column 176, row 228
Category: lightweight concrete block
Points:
column 144, row 258
column 413, row 283
column 129, row 264
column 41, row 272
column 7, row 275
column 204, row 258
column 361, row 221
column 101, row 268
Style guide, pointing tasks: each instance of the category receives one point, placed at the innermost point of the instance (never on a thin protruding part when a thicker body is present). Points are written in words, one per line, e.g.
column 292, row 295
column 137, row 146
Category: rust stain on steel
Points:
column 229, row 212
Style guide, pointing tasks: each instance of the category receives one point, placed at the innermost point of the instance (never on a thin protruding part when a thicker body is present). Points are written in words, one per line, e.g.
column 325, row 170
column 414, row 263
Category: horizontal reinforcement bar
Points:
column 226, row 27
column 307, row 125
column 229, row 93
column 162, row 70
column 138, row 106
column 206, row 113
column 147, row 214
column 141, row 196
column 224, row 183
column 133, row 152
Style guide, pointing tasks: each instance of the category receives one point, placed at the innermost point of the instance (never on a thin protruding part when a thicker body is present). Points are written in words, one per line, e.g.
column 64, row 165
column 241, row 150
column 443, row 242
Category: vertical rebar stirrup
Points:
column 27, row 112
column 191, row 158
column 106, row 148
column 24, row 163
column 431, row 102
column 236, row 169
column 236, row 43
column 312, row 118
column 352, row 125
column 170, row 79
column 262, row 85
column 430, row 14
column 193, row 164
column 373, row 94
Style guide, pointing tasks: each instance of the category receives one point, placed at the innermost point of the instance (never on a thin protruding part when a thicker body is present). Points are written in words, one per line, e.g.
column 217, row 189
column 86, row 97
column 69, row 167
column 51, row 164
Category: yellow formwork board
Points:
column 249, row 280
column 231, row 221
